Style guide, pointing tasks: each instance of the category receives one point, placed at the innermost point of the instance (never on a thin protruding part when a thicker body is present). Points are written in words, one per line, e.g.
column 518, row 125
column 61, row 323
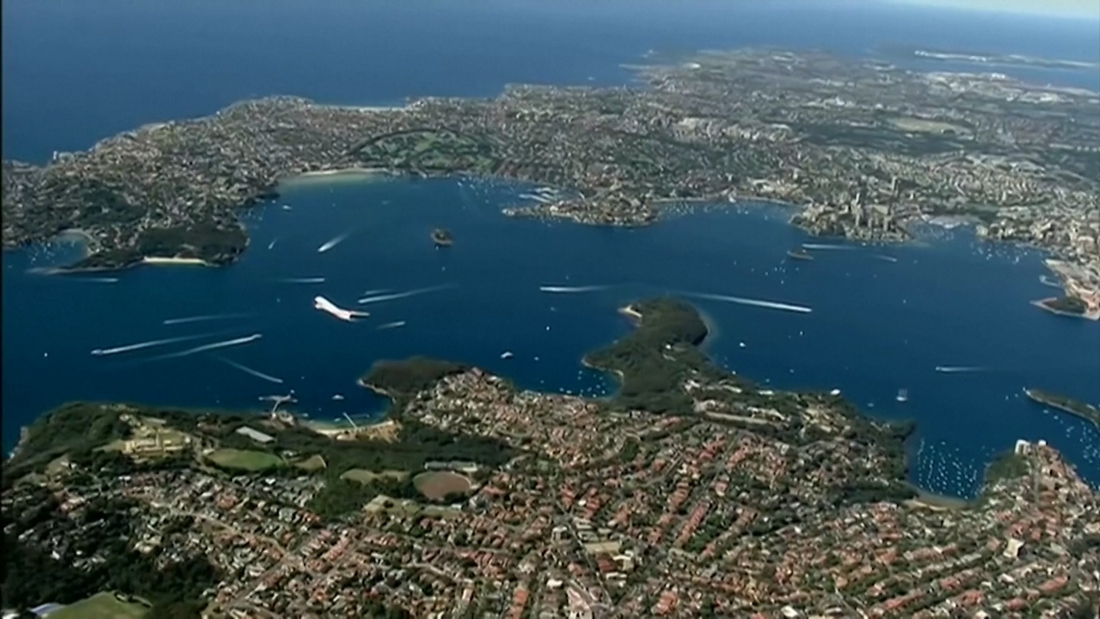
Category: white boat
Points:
column 903, row 395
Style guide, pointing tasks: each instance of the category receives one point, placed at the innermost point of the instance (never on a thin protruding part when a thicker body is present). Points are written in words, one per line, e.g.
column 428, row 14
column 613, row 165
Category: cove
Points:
column 883, row 318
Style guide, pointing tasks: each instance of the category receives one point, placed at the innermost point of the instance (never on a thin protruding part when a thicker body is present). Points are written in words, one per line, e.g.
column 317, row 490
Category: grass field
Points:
column 102, row 606
column 438, row 484
column 312, row 464
column 364, row 476
column 245, row 460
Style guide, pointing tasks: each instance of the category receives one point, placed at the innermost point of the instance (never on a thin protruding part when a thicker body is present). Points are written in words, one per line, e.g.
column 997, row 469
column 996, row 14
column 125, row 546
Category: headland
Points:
column 861, row 147
column 690, row 479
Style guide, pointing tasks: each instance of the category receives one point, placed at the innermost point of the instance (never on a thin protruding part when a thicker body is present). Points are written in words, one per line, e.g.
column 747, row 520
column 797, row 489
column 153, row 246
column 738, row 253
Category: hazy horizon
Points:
column 1071, row 9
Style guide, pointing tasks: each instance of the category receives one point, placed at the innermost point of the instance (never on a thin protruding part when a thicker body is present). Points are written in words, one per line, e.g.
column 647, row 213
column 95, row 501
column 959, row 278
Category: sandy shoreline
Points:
column 174, row 260
column 336, row 175
column 352, row 171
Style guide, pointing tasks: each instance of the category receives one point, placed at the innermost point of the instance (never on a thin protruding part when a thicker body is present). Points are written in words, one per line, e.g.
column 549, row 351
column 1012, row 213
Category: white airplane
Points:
column 325, row 305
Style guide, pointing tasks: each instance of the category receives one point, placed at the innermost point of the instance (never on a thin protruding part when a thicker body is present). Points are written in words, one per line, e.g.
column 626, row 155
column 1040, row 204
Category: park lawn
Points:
column 312, row 464
column 364, row 476
column 104, row 605
column 245, row 460
column 436, row 485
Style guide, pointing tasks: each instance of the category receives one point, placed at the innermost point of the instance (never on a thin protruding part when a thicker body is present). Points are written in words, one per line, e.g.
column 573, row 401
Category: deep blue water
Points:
column 74, row 72
column 876, row 325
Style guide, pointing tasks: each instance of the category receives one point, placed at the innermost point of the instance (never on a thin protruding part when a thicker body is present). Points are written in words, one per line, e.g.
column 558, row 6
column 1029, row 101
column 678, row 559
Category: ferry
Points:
column 903, row 395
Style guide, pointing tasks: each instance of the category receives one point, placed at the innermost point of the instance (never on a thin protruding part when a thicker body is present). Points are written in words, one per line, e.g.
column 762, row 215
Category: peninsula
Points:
column 864, row 148
column 1085, row 411
column 690, row 492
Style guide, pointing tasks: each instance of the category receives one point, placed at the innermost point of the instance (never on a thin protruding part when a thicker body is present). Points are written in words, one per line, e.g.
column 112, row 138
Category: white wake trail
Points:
column 367, row 293
column 303, row 280
column 402, row 295
column 824, row 246
column 753, row 302
column 391, row 325
column 99, row 352
column 333, row 242
column 204, row 318
column 951, row 369
column 248, row 370
column 205, row 347
column 570, row 289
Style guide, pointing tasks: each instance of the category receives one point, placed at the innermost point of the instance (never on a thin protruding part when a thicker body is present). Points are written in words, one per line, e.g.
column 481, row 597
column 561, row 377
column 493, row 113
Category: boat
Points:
column 506, row 354
column 442, row 238
column 903, row 395
column 800, row 254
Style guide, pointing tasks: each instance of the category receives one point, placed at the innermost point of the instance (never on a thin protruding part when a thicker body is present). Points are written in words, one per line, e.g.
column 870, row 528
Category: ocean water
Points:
column 75, row 72
column 882, row 318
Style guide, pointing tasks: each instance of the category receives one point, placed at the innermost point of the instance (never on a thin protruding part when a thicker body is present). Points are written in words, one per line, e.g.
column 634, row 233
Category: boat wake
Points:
column 787, row 307
column 825, row 246
column 214, row 346
column 100, row 352
column 333, row 242
column 204, row 318
column 303, row 280
column 403, row 295
column 886, row 258
column 247, row 370
column 952, row 369
column 571, row 289
column 391, row 325
column 367, row 293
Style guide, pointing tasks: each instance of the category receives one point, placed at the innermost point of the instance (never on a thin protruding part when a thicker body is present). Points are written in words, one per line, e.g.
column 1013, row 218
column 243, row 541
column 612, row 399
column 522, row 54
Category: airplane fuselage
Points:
column 329, row 307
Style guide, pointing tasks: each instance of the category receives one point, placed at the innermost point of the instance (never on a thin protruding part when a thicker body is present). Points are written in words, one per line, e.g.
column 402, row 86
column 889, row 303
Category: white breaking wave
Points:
column 392, row 325
column 205, row 347
column 333, row 242
column 150, row 344
column 248, row 370
column 402, row 295
column 753, row 302
column 570, row 289
column 204, row 318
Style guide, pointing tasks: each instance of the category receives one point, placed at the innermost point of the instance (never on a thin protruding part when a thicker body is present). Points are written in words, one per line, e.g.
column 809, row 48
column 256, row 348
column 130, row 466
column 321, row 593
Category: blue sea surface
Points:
column 75, row 72
column 883, row 317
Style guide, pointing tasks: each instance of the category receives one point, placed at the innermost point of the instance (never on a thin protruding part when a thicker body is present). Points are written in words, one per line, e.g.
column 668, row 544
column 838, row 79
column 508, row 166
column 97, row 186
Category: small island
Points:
column 442, row 237
column 1085, row 411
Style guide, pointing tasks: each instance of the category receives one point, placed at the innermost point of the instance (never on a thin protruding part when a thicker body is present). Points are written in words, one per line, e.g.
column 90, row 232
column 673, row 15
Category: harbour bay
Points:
column 877, row 325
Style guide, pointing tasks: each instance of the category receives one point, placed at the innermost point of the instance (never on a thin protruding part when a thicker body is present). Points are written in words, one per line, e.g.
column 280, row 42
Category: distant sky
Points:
column 1055, row 8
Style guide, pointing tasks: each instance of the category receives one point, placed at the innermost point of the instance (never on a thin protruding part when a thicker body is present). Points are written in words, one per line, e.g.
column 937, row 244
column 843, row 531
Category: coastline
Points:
column 1042, row 304
column 1043, row 400
column 175, row 260
column 334, row 175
